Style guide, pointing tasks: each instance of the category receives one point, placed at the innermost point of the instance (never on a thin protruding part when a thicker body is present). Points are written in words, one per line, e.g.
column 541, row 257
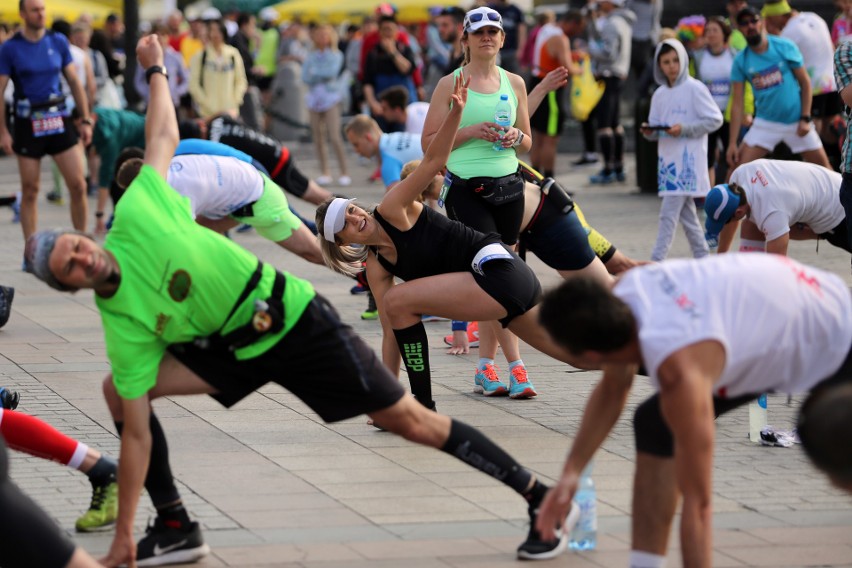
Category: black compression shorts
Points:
column 321, row 360
column 512, row 283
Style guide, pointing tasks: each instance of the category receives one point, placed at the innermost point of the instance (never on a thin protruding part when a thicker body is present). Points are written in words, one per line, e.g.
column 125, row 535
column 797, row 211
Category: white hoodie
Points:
column 682, row 160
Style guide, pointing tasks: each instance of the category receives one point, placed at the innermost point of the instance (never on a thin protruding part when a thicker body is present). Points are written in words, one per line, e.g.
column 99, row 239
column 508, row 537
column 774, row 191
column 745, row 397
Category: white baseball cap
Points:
column 481, row 17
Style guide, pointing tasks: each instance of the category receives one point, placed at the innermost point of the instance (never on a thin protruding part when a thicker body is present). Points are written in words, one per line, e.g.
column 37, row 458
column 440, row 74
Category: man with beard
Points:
column 782, row 92
column 450, row 24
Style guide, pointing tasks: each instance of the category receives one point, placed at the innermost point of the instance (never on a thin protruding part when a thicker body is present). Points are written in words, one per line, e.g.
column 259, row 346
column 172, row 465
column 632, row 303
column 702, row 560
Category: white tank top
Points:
column 215, row 185
column 715, row 72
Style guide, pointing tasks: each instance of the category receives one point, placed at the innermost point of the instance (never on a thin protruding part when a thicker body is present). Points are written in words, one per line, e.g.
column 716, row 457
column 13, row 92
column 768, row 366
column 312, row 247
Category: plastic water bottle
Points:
column 585, row 533
column 503, row 117
column 758, row 417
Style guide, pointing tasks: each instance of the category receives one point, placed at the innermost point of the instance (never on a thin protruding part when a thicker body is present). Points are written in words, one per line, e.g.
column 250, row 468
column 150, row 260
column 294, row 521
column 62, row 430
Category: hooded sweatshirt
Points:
column 609, row 46
column 683, row 159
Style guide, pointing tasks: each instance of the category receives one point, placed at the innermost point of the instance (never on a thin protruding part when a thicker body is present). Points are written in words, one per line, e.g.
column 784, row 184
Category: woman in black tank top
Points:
column 473, row 277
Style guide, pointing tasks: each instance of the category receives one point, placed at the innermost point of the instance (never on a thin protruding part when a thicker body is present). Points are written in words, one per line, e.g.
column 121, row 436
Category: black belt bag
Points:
column 246, row 210
column 268, row 316
column 494, row 191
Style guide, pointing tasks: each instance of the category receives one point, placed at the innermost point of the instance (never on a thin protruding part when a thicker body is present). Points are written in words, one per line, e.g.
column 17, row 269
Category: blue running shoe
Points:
column 486, row 382
column 16, row 210
column 244, row 228
column 519, row 385
column 603, row 178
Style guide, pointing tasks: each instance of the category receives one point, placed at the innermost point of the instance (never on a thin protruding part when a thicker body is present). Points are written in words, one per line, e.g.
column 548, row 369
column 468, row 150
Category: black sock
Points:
column 618, row 151
column 473, row 448
column 104, row 472
column 174, row 516
column 159, row 482
column 606, row 141
column 414, row 348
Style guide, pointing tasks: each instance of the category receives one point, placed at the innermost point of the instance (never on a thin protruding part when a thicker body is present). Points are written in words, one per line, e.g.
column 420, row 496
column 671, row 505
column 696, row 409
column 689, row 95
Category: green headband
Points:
column 776, row 9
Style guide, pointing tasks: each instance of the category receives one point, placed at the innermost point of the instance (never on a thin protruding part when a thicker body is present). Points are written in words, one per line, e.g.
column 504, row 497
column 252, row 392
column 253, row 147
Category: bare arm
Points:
column 303, row 243
column 161, row 128
column 552, row 81
column 91, row 86
column 779, row 245
column 804, row 81
column 5, row 136
column 686, row 402
column 132, row 468
column 602, row 411
column 726, row 237
column 438, row 111
column 737, row 89
column 81, row 102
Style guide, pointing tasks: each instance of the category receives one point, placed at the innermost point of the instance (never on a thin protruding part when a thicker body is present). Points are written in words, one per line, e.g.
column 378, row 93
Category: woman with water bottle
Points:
column 482, row 187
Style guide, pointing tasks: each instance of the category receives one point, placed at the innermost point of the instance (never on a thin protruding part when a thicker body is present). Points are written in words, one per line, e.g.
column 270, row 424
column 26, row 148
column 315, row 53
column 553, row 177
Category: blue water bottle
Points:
column 503, row 117
column 585, row 533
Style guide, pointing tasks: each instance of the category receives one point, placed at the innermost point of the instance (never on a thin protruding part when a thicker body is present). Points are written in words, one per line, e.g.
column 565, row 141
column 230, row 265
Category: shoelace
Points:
column 520, row 375
column 490, row 373
column 98, row 497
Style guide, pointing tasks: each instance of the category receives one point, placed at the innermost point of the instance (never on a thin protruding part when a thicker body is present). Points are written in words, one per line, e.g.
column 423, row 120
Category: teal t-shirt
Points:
column 476, row 157
column 115, row 131
column 179, row 282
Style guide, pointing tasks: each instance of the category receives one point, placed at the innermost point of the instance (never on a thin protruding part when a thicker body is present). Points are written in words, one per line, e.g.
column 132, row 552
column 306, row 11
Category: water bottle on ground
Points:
column 757, row 418
column 503, row 117
column 585, row 533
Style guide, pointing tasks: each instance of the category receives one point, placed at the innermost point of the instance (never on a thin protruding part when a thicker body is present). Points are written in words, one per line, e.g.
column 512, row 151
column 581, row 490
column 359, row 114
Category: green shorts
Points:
column 272, row 216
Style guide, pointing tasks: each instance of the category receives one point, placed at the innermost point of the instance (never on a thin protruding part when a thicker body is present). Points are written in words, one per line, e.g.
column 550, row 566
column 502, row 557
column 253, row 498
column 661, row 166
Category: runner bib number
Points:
column 46, row 123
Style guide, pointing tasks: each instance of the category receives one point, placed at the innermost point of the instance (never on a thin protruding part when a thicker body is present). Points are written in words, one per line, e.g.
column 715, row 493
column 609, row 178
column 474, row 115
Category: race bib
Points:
column 46, row 123
column 767, row 78
column 486, row 253
column 719, row 87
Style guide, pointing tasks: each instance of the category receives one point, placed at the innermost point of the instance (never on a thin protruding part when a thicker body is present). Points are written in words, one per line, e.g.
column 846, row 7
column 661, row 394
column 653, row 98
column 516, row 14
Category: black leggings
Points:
column 28, row 537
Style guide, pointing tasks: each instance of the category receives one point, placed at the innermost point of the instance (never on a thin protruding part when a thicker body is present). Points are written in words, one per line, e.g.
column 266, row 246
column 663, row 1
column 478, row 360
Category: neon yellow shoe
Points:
column 103, row 510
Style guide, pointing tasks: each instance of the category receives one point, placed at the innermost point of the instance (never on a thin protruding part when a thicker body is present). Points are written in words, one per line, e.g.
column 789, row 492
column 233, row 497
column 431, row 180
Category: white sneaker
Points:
column 324, row 180
column 345, row 181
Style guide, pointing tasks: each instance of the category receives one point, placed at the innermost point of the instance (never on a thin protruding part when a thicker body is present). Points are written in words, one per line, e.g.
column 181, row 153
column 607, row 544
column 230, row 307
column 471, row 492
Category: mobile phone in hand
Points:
column 657, row 127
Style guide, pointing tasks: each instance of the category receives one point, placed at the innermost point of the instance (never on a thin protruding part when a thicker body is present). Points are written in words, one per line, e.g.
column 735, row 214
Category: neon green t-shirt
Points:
column 179, row 282
column 267, row 54
column 476, row 157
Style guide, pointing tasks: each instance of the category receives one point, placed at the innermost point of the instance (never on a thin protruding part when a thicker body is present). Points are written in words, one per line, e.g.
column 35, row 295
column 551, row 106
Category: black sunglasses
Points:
column 747, row 22
column 477, row 17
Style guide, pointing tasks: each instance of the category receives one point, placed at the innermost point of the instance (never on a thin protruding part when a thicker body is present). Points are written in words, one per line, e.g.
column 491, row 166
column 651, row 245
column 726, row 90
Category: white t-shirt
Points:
column 215, row 185
column 415, row 117
column 715, row 72
column 782, row 193
column 811, row 34
column 784, row 326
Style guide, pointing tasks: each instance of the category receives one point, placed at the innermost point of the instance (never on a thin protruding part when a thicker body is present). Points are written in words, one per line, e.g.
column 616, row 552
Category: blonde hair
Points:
column 345, row 259
column 407, row 169
column 362, row 124
column 332, row 36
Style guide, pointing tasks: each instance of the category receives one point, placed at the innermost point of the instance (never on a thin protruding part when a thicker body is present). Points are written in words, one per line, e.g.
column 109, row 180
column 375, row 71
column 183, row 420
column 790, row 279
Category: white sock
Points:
column 79, row 455
column 748, row 245
column 639, row 559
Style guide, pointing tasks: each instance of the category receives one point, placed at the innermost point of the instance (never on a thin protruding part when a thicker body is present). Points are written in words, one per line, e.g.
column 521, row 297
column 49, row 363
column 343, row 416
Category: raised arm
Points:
column 408, row 190
column 161, row 128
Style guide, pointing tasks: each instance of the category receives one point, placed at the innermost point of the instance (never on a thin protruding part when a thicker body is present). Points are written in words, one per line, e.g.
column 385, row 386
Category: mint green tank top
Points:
column 477, row 158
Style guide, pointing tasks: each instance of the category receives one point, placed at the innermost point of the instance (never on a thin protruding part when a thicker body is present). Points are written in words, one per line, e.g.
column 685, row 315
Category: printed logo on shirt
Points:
column 759, row 177
column 767, row 78
column 802, row 276
column 175, row 166
column 162, row 321
column 680, row 298
column 179, row 285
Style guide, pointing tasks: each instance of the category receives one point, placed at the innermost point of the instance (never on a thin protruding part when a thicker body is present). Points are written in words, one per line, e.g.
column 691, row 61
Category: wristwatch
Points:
column 155, row 69
column 519, row 139
column 87, row 120
column 806, row 117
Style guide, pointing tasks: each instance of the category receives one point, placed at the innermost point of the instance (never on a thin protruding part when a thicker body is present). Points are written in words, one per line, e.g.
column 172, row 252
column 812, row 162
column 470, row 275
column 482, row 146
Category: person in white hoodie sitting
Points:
column 682, row 114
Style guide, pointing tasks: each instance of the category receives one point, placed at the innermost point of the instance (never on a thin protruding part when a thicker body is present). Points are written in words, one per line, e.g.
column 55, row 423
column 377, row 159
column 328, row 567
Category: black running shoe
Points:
column 7, row 294
column 164, row 545
column 534, row 548
column 9, row 399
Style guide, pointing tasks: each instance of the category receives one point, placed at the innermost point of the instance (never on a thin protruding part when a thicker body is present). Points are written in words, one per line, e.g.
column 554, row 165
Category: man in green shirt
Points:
column 187, row 311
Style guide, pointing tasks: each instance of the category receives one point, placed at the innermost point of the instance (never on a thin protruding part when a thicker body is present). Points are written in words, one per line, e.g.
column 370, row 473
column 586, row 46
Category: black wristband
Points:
column 805, row 117
column 149, row 72
column 99, row 214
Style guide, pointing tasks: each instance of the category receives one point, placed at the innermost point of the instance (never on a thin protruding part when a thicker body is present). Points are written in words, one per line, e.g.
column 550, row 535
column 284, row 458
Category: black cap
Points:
column 748, row 11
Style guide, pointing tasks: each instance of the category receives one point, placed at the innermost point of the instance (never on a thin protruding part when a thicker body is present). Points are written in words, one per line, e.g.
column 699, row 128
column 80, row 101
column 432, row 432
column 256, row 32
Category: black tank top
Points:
column 434, row 245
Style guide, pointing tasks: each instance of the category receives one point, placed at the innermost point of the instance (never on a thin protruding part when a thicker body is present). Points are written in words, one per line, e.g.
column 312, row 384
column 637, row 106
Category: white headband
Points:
column 721, row 207
column 335, row 218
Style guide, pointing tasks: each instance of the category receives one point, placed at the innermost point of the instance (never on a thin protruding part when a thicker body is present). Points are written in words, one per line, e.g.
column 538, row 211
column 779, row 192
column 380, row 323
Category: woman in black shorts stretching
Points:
column 450, row 269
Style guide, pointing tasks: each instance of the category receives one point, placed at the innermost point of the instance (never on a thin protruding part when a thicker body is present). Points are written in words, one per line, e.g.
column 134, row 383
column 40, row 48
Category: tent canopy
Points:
column 68, row 10
column 337, row 11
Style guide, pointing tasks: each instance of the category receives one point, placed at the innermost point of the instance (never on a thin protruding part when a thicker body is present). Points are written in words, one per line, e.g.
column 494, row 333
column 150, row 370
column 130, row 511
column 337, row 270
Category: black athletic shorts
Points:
column 29, row 146
column 550, row 114
column 512, row 283
column 607, row 113
column 465, row 205
column 321, row 360
column 839, row 236
column 290, row 177
column 654, row 437
column 28, row 537
column 826, row 104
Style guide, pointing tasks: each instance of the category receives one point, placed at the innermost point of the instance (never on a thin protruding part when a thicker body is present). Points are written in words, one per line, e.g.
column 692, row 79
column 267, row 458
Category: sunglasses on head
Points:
column 477, row 17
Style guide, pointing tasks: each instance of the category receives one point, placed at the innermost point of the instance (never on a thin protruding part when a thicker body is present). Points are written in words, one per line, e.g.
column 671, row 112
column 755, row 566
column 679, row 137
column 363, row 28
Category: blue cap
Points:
column 719, row 206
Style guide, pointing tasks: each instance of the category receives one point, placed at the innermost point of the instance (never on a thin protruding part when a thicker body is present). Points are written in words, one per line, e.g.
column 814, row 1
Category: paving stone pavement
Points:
column 274, row 486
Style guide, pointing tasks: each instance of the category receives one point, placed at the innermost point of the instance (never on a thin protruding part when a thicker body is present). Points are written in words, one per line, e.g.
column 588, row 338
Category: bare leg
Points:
column 487, row 340
column 30, row 173
column 594, row 269
column 750, row 154
column 817, row 156
column 655, row 498
column 70, row 163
